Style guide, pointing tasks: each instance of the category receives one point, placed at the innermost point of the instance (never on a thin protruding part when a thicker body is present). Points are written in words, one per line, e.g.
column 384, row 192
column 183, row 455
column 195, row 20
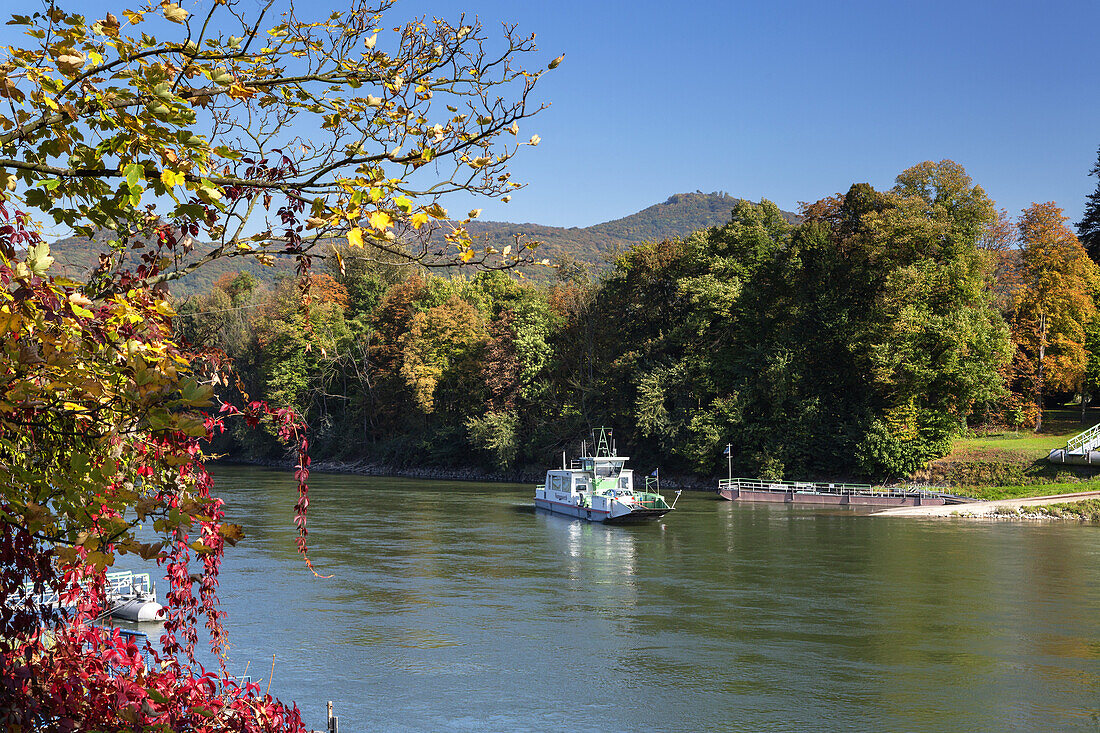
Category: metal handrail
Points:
column 119, row 584
column 1084, row 441
column 810, row 487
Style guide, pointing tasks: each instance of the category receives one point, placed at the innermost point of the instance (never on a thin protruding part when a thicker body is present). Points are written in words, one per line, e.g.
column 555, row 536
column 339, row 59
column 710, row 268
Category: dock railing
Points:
column 125, row 584
column 838, row 489
column 1084, row 441
column 121, row 585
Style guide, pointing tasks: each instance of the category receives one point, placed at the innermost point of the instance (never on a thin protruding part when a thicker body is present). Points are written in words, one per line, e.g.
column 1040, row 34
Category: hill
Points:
column 595, row 245
column 78, row 256
column 680, row 214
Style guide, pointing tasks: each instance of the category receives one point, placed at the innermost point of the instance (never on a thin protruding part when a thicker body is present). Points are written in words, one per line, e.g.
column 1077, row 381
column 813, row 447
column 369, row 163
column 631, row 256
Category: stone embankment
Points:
column 999, row 509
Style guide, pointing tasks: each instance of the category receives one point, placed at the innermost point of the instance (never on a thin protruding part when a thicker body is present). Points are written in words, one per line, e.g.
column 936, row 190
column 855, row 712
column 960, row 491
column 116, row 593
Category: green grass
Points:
column 1058, row 427
column 992, row 493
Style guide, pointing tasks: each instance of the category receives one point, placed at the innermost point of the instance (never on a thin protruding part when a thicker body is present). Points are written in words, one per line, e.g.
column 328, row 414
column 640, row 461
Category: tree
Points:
column 187, row 149
column 443, row 341
column 101, row 428
column 911, row 343
column 1060, row 283
column 998, row 243
column 1088, row 229
column 264, row 141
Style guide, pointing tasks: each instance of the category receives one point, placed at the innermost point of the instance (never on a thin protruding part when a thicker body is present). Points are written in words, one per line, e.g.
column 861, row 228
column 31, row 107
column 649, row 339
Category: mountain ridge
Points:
column 595, row 245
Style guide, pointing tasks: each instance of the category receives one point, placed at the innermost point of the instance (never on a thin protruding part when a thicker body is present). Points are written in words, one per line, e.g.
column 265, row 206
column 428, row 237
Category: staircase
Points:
column 1081, row 448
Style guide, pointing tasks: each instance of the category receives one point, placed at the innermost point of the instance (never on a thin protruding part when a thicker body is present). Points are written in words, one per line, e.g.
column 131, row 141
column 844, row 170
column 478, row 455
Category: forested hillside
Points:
column 680, row 215
column 77, row 257
column 856, row 340
column 596, row 245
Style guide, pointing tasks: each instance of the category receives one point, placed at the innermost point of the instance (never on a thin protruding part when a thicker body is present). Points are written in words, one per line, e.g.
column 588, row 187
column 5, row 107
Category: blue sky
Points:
column 796, row 100
column 791, row 101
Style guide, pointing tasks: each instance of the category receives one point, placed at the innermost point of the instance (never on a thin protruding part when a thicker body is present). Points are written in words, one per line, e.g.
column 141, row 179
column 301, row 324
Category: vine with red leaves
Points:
column 102, row 424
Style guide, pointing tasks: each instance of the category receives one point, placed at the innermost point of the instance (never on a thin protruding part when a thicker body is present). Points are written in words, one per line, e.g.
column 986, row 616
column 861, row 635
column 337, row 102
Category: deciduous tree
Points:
column 1060, row 284
column 261, row 135
column 192, row 133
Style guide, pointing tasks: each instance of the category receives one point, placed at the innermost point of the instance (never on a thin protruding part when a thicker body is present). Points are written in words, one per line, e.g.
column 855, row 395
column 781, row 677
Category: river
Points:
column 456, row 606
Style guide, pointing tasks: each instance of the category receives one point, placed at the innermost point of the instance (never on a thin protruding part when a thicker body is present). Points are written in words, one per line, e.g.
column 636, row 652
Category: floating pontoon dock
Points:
column 128, row 596
column 1082, row 449
column 805, row 492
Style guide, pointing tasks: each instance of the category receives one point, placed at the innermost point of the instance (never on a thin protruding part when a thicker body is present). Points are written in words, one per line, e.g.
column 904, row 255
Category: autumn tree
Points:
column 257, row 140
column 442, row 344
column 998, row 243
column 1060, row 283
column 189, row 137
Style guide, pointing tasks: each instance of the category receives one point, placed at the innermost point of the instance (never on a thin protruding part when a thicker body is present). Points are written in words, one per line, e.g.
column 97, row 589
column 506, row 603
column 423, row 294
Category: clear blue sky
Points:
column 792, row 100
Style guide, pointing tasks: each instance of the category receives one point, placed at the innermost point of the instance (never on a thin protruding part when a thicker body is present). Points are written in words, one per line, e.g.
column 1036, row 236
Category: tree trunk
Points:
column 1039, row 371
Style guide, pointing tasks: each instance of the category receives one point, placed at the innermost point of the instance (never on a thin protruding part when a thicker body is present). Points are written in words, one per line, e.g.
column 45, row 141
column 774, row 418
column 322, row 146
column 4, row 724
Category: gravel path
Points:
column 983, row 508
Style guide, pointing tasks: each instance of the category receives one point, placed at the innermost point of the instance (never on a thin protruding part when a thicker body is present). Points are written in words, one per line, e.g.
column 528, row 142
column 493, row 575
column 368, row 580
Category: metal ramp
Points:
column 1083, row 448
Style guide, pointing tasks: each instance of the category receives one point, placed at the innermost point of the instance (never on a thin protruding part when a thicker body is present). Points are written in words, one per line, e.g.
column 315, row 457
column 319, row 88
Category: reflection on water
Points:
column 453, row 606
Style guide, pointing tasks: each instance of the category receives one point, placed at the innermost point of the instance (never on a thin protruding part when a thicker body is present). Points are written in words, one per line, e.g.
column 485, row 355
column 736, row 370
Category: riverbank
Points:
column 1002, row 464
column 1084, row 506
column 527, row 475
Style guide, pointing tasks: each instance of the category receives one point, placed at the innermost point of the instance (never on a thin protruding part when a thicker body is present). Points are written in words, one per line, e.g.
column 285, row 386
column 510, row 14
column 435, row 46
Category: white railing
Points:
column 121, row 584
column 1084, row 441
column 127, row 584
column 810, row 487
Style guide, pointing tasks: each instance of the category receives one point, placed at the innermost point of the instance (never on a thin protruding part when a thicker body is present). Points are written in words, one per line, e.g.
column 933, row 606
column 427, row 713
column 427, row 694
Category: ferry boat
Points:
column 598, row 488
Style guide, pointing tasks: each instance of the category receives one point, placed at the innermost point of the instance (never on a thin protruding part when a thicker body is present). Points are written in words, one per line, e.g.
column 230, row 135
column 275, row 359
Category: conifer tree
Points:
column 1088, row 229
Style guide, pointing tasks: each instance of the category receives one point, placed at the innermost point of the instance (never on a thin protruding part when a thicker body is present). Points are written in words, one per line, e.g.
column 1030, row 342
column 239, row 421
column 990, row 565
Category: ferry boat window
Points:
column 608, row 469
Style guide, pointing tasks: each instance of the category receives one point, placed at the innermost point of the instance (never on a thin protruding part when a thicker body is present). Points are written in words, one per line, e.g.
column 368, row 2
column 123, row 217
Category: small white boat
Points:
column 133, row 597
column 598, row 488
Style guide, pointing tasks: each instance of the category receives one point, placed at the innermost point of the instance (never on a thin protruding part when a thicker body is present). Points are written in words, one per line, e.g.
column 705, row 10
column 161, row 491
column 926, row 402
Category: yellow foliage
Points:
column 380, row 220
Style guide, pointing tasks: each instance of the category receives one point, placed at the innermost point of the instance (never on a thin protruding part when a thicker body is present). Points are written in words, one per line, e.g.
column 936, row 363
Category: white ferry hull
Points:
column 572, row 510
column 140, row 610
column 619, row 513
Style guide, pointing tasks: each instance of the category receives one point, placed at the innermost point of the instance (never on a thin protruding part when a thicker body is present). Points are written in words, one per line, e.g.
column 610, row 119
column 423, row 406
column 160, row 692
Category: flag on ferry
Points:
column 655, row 472
column 726, row 452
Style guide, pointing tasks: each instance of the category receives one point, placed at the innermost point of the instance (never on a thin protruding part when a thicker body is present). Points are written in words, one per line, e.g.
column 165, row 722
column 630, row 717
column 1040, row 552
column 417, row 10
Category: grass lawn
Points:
column 1058, row 427
column 1010, row 465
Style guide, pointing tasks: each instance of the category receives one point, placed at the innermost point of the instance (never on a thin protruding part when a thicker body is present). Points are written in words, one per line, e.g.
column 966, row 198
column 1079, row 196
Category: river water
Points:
column 456, row 606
